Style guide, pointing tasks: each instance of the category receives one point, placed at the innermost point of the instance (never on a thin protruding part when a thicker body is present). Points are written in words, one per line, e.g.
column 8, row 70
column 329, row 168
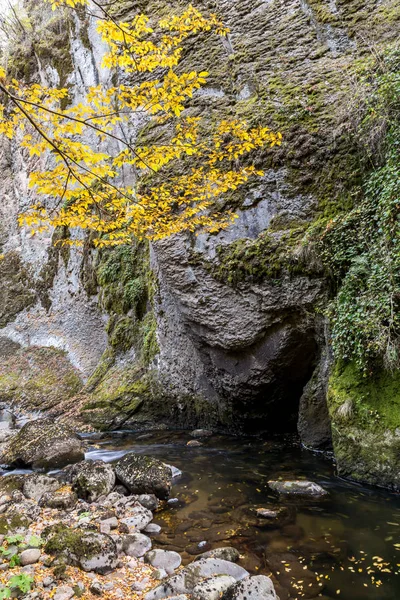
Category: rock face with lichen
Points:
column 225, row 330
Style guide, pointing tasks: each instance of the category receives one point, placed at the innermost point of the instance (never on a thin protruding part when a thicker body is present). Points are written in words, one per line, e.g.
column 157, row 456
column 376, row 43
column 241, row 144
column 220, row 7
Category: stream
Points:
column 349, row 539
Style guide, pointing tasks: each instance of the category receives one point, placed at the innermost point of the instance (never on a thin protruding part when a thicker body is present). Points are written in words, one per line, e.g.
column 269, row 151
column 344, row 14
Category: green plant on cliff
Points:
column 362, row 247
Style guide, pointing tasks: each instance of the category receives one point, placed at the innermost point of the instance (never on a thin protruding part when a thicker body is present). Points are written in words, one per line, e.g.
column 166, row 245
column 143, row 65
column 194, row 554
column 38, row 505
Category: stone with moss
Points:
column 365, row 415
column 87, row 549
column 92, row 479
column 144, row 475
column 43, row 444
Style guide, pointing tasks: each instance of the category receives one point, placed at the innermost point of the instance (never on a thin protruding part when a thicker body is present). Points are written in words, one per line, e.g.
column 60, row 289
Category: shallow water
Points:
column 349, row 539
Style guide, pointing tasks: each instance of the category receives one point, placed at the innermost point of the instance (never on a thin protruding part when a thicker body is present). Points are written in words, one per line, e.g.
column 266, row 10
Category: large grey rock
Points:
column 144, row 475
column 164, row 559
column 212, row 588
column 136, row 545
column 254, row 588
column 36, row 484
column 298, row 488
column 92, row 479
column 187, row 578
column 43, row 444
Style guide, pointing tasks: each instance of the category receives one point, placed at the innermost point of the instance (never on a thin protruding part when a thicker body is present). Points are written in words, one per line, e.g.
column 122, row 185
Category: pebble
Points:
column 152, row 528
column 48, row 581
column 30, row 556
column 64, row 592
column 141, row 585
column 96, row 588
column 112, row 522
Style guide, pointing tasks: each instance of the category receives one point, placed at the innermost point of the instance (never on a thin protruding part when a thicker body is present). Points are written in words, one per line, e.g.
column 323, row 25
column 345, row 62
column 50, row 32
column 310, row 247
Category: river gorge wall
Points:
column 226, row 331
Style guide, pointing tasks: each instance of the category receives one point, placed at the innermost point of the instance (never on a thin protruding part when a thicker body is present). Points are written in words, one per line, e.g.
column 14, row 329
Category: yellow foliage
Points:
column 136, row 189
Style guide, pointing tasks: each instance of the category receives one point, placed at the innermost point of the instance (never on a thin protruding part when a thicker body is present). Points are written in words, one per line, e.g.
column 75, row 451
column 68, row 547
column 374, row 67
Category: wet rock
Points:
column 63, row 499
column 174, row 470
column 256, row 588
column 268, row 517
column 194, row 443
column 64, row 592
column 30, row 556
column 92, row 479
column 139, row 519
column 212, row 588
column 187, row 578
column 226, row 553
column 136, row 544
column 201, row 433
column 43, row 444
column 149, row 501
column 144, row 475
column 298, row 488
column 152, row 528
column 90, row 550
column 164, row 559
column 35, row 485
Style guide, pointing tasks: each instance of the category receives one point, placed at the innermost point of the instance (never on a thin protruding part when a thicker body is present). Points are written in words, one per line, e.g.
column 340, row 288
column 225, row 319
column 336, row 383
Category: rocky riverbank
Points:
column 86, row 530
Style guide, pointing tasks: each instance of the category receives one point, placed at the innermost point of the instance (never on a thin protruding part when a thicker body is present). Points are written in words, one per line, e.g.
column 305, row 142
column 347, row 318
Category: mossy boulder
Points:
column 144, row 475
column 43, row 444
column 89, row 550
column 92, row 479
column 365, row 415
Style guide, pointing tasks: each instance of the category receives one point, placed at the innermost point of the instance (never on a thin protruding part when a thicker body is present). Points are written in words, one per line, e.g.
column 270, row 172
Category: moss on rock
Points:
column 365, row 414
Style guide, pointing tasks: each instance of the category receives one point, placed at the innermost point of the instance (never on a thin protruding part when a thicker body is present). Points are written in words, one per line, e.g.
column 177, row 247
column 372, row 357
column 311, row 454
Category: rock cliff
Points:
column 226, row 330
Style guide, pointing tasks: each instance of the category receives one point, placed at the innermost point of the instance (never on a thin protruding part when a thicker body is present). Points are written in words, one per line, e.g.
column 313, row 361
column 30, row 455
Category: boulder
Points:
column 89, row 550
column 212, row 588
column 92, row 479
column 35, row 485
column 144, row 475
column 136, row 545
column 43, row 444
column 298, row 488
column 164, row 559
column 259, row 587
column 29, row 557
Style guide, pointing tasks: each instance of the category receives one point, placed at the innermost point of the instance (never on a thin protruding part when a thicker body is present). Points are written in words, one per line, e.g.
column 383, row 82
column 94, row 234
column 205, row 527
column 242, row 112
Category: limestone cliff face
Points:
column 224, row 330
